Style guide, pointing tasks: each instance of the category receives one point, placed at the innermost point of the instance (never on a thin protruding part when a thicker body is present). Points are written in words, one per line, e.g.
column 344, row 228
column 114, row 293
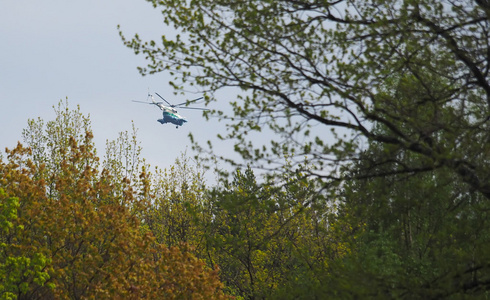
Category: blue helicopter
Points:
column 170, row 114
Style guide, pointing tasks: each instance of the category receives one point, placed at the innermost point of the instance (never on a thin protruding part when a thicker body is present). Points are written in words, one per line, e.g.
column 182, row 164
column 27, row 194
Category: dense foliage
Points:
column 381, row 107
column 379, row 111
column 74, row 228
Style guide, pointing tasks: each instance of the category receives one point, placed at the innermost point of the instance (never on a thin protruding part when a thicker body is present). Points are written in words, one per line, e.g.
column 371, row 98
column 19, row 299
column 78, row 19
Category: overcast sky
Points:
column 54, row 49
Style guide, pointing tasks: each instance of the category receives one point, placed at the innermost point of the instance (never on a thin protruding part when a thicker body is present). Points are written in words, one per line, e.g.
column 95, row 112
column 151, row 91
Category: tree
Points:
column 271, row 242
column 19, row 273
column 175, row 196
column 123, row 158
column 308, row 66
column 76, row 234
column 423, row 235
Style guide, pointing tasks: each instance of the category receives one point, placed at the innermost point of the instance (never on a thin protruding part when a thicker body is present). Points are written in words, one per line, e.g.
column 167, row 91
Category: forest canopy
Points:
column 377, row 169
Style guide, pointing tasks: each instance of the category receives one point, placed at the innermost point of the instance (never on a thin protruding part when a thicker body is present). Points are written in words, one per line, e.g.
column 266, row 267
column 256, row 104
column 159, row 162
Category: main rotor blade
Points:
column 189, row 102
column 151, row 103
column 142, row 102
column 164, row 99
column 198, row 108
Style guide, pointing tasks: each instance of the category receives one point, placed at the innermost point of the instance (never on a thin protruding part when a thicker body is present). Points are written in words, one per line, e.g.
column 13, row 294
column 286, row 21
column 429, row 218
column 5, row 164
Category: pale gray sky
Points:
column 54, row 49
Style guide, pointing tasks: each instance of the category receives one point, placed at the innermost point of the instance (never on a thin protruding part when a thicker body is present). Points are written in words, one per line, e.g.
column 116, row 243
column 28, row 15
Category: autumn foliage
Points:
column 69, row 231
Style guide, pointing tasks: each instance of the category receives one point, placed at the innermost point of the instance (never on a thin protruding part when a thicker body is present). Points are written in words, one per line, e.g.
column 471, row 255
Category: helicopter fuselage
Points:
column 171, row 116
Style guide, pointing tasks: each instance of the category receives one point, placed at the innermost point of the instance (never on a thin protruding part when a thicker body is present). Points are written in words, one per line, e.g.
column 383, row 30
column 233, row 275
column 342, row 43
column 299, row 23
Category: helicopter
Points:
column 170, row 114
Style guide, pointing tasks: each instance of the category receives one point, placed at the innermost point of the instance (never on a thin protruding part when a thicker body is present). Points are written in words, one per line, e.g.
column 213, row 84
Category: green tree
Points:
column 175, row 195
column 271, row 242
column 425, row 235
column 403, row 87
column 19, row 273
column 308, row 66
column 123, row 159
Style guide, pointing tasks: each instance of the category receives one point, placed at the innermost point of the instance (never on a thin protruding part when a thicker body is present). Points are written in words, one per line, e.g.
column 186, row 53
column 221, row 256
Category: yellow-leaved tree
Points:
column 76, row 227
